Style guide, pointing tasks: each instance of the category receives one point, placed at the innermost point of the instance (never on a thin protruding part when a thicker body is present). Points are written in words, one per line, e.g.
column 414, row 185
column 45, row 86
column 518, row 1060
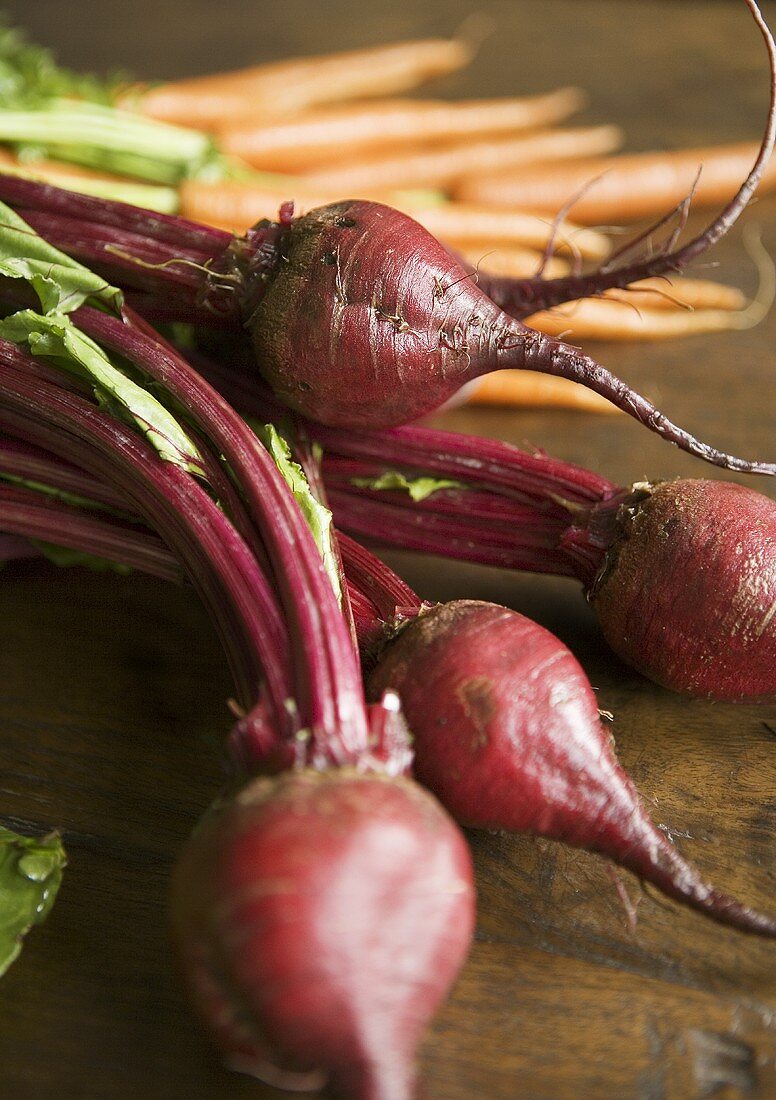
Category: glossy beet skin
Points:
column 687, row 593
column 513, row 740
column 320, row 918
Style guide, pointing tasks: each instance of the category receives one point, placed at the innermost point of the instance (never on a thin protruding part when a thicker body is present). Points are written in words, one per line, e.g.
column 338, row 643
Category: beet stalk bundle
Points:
column 506, row 729
column 681, row 574
column 340, row 335
column 270, row 897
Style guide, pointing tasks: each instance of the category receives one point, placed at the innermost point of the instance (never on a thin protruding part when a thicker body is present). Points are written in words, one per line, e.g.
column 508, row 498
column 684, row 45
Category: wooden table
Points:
column 113, row 690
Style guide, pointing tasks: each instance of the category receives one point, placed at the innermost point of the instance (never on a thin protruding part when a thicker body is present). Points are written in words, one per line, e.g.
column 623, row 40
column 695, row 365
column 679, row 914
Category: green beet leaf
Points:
column 57, row 338
column 418, row 487
column 319, row 518
column 61, row 283
column 30, row 876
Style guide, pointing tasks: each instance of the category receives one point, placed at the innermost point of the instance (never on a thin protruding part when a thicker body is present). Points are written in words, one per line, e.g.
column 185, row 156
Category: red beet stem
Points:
column 328, row 689
column 470, row 459
column 33, row 464
column 218, row 561
column 414, row 527
column 379, row 584
column 125, row 257
column 28, row 513
column 29, row 195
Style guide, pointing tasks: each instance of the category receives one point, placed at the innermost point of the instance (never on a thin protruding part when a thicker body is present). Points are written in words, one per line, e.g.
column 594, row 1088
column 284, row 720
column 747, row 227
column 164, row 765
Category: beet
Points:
column 687, row 591
column 357, row 316
column 681, row 574
column 525, row 721
column 332, row 910
column 350, row 341
column 299, row 873
column 513, row 740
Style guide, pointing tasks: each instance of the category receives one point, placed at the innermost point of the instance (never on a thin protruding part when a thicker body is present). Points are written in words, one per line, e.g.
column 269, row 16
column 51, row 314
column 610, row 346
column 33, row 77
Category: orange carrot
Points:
column 467, row 225
column 442, row 167
column 324, row 135
column 608, row 319
column 680, row 293
column 513, row 262
column 623, row 188
column 525, row 389
column 236, row 206
column 278, row 88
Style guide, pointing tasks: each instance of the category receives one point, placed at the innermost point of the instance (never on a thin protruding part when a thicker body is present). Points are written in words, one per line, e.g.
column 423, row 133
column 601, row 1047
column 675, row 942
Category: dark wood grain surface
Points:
column 113, row 690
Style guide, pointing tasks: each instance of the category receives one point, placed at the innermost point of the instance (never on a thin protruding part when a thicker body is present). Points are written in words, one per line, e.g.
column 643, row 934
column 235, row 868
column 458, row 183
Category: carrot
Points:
column 513, row 261
column 601, row 319
column 235, row 206
column 623, row 188
column 525, row 389
column 687, row 293
column 445, row 166
column 325, row 134
column 281, row 87
column 470, row 226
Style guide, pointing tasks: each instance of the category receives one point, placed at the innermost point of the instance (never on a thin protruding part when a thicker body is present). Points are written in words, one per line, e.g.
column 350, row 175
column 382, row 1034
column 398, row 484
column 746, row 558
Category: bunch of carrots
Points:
column 508, row 183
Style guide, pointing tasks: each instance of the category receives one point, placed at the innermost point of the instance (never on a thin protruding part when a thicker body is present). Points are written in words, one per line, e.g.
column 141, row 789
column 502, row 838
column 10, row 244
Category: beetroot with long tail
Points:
column 357, row 316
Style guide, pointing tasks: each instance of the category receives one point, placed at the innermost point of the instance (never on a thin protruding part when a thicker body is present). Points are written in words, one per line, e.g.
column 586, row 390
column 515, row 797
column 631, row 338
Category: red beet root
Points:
column 348, row 339
column 687, row 593
column 514, row 741
column 357, row 315
column 320, row 918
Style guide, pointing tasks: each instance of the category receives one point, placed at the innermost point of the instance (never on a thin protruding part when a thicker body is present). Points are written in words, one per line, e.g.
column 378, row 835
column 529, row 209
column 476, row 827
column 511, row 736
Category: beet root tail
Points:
column 549, row 356
column 655, row 860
